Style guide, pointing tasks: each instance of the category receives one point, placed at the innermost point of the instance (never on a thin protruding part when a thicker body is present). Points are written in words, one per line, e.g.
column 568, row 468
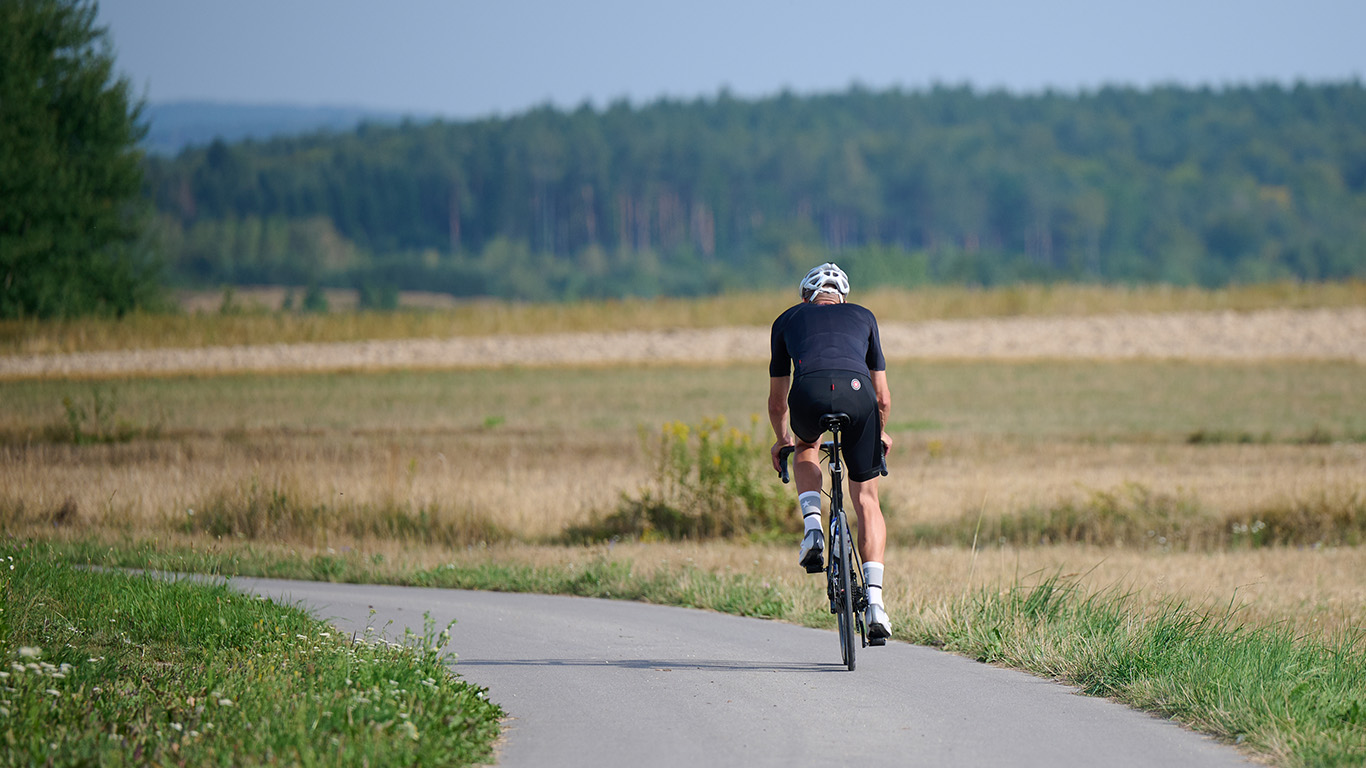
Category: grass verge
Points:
column 1296, row 700
column 112, row 669
column 1283, row 697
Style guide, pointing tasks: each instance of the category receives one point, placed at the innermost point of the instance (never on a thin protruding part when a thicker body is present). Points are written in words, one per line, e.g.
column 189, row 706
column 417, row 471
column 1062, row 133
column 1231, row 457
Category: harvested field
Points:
column 1282, row 334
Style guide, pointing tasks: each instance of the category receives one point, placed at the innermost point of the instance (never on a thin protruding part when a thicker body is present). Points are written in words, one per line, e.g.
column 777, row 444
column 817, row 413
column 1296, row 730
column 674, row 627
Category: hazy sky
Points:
column 467, row 59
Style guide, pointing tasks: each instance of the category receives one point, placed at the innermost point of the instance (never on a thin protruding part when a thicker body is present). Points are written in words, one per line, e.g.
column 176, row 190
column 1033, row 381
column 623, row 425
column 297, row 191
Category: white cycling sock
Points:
column 811, row 510
column 872, row 576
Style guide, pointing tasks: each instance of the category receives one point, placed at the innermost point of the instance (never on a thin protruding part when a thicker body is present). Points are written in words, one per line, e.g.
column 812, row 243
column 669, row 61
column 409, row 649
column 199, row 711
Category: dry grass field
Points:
column 512, row 455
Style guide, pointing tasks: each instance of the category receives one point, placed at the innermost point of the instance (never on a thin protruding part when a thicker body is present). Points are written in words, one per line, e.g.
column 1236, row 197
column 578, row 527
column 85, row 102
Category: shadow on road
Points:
column 658, row 665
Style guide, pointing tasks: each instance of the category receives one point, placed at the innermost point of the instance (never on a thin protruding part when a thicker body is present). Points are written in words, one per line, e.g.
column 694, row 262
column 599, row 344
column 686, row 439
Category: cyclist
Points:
column 837, row 355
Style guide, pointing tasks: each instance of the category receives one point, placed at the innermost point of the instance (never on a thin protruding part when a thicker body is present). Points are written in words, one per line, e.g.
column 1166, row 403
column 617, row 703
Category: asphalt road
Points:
column 605, row 683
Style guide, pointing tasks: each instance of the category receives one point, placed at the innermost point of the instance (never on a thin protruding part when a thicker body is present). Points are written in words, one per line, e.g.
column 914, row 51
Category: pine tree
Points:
column 71, row 203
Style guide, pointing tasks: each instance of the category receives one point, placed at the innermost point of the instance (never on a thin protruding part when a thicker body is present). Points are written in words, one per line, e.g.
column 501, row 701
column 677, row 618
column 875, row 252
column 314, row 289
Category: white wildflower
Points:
column 225, row 702
column 29, row 652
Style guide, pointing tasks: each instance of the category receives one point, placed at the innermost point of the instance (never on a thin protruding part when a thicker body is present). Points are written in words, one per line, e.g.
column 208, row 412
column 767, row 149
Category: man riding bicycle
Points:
column 837, row 356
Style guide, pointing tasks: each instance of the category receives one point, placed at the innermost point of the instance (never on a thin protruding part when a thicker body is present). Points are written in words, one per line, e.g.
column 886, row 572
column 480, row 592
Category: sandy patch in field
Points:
column 1322, row 334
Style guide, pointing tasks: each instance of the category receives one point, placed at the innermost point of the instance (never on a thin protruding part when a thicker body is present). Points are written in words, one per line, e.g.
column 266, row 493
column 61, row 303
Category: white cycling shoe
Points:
column 879, row 626
column 811, row 555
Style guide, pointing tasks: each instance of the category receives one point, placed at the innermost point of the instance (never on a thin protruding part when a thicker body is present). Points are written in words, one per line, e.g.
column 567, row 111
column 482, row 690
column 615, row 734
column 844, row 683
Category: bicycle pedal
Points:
column 877, row 641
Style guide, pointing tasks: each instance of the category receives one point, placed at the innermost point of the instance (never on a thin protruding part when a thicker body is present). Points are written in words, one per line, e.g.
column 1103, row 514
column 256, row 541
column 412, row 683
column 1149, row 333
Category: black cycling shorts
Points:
column 817, row 393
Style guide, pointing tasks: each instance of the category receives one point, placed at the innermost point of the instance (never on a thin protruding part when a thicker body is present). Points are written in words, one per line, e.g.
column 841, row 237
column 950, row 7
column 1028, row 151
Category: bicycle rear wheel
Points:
column 844, row 597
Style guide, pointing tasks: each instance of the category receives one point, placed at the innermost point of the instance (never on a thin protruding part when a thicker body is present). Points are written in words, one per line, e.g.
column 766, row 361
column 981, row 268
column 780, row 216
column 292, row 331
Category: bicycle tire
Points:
column 844, row 615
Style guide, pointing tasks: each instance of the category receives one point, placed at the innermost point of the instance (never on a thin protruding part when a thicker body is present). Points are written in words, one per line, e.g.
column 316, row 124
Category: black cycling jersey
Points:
column 834, row 348
column 825, row 337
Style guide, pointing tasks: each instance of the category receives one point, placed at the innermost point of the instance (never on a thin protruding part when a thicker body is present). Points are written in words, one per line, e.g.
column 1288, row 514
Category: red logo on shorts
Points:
column 854, row 383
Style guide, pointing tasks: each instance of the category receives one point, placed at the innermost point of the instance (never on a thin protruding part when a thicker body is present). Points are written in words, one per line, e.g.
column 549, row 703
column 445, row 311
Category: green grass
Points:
column 1134, row 401
column 1171, row 401
column 1294, row 700
column 105, row 668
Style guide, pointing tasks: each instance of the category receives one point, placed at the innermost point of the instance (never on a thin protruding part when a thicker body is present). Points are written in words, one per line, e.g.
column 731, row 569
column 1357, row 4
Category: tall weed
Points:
column 99, row 422
column 709, row 481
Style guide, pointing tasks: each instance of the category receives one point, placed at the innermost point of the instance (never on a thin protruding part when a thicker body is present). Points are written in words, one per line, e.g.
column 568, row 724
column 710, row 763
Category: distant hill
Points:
column 176, row 125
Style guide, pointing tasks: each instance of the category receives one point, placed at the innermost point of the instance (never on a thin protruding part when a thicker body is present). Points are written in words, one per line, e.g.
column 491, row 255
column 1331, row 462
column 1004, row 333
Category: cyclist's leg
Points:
column 872, row 529
column 872, row 543
column 807, row 467
column 804, row 407
column 807, row 470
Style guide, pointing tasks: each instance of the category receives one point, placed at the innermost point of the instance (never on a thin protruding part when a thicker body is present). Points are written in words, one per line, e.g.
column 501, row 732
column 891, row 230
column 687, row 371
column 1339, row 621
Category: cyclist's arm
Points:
column 777, row 414
column 884, row 403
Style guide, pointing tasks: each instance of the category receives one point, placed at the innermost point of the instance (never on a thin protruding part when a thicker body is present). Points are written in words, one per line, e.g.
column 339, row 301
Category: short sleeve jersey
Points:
column 825, row 337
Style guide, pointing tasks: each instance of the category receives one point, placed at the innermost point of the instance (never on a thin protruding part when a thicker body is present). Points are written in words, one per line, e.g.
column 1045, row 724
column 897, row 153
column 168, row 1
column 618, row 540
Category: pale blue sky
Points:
column 466, row 59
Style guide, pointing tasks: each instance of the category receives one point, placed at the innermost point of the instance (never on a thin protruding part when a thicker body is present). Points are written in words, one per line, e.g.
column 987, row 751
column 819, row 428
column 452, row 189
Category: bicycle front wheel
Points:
column 844, row 613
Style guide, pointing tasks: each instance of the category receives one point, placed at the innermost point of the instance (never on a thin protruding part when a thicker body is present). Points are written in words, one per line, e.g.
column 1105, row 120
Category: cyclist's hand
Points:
column 779, row 444
column 886, row 443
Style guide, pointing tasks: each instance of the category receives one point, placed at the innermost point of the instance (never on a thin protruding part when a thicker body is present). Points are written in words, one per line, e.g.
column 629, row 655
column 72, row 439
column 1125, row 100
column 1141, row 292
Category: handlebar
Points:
column 786, row 451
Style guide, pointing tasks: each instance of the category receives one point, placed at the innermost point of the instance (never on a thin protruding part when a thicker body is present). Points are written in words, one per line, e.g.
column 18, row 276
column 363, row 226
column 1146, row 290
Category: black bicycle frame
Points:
column 839, row 528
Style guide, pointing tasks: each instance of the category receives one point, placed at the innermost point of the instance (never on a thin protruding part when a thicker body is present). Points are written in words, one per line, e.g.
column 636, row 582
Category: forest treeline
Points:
column 1180, row 185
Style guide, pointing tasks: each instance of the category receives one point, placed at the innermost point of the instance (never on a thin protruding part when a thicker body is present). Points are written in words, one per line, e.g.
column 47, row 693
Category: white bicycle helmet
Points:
column 827, row 278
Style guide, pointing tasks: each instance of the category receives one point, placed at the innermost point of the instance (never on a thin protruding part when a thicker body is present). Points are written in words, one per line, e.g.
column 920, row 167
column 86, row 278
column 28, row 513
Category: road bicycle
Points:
column 843, row 569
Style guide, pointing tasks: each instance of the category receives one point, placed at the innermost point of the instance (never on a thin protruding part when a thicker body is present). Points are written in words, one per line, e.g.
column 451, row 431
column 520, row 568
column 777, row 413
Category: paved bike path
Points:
column 609, row 683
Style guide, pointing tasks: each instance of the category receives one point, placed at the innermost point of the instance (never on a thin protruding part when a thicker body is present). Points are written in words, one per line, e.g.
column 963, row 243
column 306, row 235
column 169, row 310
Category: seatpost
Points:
column 836, row 466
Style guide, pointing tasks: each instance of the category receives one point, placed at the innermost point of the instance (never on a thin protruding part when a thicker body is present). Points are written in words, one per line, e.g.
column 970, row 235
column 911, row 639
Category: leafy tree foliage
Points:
column 949, row 184
column 70, row 174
